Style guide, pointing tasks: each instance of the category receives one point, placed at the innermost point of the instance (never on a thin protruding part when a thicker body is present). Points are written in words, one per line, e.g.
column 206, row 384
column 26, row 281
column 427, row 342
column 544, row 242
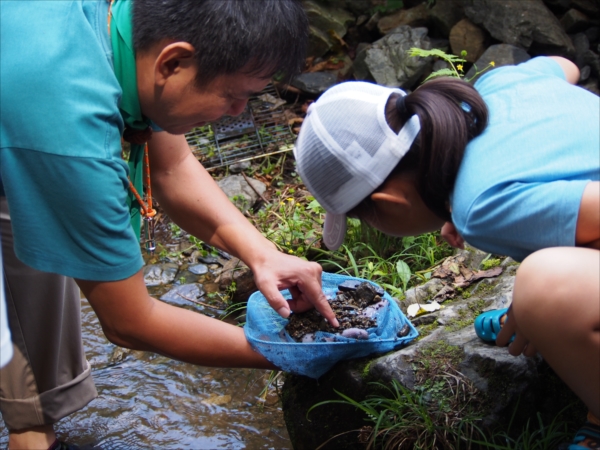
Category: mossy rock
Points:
column 310, row 430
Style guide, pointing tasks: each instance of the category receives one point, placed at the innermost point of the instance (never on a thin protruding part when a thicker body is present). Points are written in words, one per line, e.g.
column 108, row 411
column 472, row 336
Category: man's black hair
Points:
column 260, row 37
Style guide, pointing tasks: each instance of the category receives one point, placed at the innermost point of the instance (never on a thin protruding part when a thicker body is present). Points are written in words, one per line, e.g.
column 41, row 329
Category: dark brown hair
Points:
column 451, row 113
column 229, row 36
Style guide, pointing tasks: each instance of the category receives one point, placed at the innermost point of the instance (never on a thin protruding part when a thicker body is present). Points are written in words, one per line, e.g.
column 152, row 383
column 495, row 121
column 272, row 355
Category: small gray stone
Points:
column 198, row 269
column 239, row 167
column 501, row 55
column 314, row 83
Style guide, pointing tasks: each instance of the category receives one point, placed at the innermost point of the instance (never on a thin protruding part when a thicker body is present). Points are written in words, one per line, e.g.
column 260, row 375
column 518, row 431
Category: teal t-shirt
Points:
column 60, row 143
column 520, row 183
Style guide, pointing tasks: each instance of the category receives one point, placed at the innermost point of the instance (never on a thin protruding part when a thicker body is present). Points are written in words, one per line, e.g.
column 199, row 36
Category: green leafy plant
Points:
column 456, row 63
column 419, row 419
column 290, row 224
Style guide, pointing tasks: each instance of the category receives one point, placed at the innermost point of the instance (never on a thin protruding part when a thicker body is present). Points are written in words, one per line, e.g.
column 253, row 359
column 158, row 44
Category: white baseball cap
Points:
column 346, row 149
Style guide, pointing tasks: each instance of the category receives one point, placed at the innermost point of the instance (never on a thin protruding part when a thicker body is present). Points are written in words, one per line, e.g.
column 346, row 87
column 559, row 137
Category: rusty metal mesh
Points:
column 261, row 130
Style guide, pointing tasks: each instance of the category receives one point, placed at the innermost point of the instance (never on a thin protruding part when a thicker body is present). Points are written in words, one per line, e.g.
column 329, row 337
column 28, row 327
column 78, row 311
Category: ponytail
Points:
column 451, row 113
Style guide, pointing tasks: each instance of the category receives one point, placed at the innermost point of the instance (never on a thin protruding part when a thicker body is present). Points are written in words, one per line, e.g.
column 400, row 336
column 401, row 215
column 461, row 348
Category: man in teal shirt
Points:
column 70, row 87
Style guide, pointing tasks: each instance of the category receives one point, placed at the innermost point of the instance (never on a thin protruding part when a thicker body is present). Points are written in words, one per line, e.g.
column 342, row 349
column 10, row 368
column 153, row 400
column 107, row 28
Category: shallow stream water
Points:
column 149, row 401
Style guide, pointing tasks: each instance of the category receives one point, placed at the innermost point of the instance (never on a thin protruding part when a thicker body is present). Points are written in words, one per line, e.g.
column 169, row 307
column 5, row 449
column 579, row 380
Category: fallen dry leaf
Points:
column 416, row 309
column 318, row 67
column 337, row 37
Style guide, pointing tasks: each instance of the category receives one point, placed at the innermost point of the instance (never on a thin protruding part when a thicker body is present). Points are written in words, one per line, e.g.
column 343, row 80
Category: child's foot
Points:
column 488, row 324
column 588, row 437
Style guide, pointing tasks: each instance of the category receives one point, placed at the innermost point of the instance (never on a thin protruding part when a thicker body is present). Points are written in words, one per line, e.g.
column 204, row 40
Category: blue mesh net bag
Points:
column 265, row 330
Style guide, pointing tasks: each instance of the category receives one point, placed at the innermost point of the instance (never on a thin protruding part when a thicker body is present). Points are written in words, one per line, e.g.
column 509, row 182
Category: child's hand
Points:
column 521, row 344
column 451, row 236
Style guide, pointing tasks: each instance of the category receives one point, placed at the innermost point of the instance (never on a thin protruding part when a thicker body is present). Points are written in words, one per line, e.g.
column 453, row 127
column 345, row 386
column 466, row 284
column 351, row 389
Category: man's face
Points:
column 181, row 107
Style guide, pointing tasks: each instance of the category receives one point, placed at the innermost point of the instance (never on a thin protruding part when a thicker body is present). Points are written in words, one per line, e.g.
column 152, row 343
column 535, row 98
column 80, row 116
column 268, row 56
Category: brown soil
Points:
column 353, row 305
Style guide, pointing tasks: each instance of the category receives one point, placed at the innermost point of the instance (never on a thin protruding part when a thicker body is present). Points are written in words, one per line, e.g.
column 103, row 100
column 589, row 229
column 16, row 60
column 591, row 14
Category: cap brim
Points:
column 334, row 230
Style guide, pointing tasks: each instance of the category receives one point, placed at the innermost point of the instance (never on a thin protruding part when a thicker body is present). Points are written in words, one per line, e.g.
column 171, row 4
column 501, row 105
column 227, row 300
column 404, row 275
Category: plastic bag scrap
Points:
column 265, row 330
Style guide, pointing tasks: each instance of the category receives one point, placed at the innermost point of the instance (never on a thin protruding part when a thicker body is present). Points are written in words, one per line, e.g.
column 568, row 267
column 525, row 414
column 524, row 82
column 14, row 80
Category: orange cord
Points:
column 147, row 210
column 110, row 15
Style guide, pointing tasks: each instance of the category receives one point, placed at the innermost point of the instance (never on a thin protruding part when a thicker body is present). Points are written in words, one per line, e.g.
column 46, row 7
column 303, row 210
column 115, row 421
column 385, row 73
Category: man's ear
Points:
column 172, row 60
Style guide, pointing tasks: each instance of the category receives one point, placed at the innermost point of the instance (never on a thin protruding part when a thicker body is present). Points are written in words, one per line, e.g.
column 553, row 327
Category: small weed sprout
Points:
column 456, row 63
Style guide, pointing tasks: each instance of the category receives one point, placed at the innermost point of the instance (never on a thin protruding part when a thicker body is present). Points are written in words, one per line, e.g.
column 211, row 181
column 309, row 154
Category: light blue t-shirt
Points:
column 60, row 143
column 520, row 183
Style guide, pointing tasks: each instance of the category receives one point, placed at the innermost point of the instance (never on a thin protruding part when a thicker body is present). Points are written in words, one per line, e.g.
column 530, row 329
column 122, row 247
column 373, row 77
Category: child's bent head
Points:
column 357, row 135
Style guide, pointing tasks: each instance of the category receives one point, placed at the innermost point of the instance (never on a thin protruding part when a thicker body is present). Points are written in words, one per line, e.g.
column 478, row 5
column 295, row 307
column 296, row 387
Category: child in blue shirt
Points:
column 510, row 165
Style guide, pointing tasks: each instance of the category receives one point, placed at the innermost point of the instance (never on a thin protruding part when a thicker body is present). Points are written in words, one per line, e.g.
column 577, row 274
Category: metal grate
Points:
column 259, row 131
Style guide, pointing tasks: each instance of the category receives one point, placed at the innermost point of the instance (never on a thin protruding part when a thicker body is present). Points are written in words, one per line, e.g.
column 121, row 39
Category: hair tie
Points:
column 401, row 105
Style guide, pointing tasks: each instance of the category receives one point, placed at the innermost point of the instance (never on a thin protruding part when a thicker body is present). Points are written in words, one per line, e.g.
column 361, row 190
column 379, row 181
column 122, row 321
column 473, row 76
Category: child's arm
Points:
column 570, row 69
column 588, row 222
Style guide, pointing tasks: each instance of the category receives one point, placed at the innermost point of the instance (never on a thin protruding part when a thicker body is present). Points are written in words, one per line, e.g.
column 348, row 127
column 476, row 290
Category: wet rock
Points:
column 413, row 17
column 240, row 192
column 592, row 85
column 157, row 274
column 593, row 60
column 387, row 61
column 198, row 269
column 589, row 7
column 314, row 83
column 558, row 6
column 501, row 55
column 593, row 34
column 325, row 20
column 525, row 24
column 574, row 21
column 209, row 259
column 445, row 14
column 499, row 379
column 465, row 35
column 582, row 45
column 185, row 294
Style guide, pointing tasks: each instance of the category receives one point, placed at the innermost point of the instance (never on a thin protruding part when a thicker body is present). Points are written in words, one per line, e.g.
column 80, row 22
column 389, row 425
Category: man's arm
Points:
column 131, row 318
column 193, row 200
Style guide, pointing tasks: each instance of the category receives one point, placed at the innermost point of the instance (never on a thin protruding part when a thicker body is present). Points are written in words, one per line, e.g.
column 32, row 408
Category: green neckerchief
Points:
column 121, row 36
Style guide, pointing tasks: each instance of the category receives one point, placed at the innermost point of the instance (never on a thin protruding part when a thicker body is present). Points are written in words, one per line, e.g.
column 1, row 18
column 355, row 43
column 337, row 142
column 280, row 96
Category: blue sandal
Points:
column 487, row 324
column 588, row 437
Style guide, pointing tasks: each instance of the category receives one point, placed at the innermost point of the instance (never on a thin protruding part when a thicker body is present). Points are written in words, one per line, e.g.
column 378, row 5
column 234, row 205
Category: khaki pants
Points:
column 48, row 377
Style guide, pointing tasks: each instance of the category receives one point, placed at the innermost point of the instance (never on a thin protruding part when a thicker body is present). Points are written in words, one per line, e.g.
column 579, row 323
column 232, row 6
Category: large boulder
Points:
column 467, row 36
column 413, row 17
column 497, row 56
column 447, row 357
column 528, row 24
column 387, row 61
column 445, row 14
column 328, row 22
